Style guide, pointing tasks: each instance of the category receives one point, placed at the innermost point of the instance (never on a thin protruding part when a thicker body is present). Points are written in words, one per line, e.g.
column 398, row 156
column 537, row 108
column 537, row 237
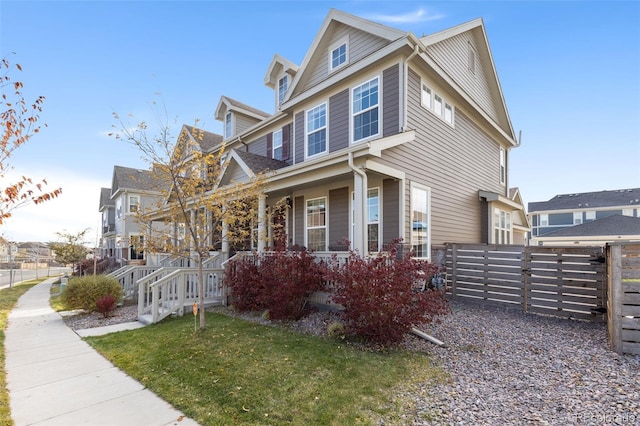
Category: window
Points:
column 317, row 130
column 228, row 128
column 316, row 224
column 590, row 215
column 502, row 227
column 437, row 104
column 365, row 110
column 136, row 247
column 420, row 209
column 338, row 55
column 544, row 219
column 134, row 203
column 119, row 208
column 427, row 97
column 627, row 212
column 283, row 84
column 577, row 218
column 373, row 219
column 503, row 167
column 277, row 145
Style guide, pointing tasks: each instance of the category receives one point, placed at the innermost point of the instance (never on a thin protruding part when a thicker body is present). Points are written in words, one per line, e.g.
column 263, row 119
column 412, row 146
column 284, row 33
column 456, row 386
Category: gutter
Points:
column 405, row 90
column 362, row 244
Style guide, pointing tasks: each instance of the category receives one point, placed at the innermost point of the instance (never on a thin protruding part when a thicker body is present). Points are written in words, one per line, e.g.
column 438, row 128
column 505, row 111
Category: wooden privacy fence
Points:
column 559, row 281
column 624, row 297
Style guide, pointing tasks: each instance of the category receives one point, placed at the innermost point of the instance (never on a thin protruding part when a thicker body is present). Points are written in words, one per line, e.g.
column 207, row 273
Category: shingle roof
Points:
column 258, row 163
column 105, row 198
column 611, row 225
column 206, row 140
column 613, row 198
column 137, row 179
column 240, row 105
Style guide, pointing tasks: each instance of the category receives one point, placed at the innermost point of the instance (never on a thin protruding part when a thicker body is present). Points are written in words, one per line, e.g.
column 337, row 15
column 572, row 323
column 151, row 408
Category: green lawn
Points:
column 240, row 372
column 8, row 298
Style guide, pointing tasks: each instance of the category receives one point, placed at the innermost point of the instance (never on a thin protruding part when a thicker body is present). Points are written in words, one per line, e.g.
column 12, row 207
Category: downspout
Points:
column 363, row 206
column 405, row 88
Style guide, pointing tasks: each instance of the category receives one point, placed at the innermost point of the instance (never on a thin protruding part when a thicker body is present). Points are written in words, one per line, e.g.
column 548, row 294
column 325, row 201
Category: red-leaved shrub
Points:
column 106, row 304
column 381, row 296
column 277, row 281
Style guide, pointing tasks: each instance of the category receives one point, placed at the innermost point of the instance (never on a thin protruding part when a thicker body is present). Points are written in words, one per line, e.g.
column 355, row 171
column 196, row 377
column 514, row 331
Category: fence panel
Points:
column 624, row 302
column 566, row 281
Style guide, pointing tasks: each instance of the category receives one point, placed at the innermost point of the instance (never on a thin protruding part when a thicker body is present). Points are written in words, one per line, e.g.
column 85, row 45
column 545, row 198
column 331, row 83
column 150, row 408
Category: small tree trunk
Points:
column 201, row 292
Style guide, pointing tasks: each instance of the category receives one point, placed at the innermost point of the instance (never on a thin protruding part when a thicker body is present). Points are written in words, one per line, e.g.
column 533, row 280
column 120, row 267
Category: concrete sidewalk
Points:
column 55, row 378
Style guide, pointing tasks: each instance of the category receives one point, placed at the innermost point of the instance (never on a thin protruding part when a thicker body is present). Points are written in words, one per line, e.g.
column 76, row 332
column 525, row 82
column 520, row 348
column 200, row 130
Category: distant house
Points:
column 586, row 218
column 122, row 234
column 377, row 135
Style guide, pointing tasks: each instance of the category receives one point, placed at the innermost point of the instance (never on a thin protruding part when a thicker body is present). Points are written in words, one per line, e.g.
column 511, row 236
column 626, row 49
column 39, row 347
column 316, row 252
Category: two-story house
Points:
column 122, row 233
column 378, row 135
column 588, row 218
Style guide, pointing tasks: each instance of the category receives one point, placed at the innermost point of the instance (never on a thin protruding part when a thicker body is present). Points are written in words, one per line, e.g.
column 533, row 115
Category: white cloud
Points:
column 419, row 15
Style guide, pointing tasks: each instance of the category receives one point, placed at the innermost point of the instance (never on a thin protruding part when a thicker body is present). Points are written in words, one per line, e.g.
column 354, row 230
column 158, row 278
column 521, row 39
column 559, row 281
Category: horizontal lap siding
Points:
column 391, row 101
column 259, row 147
column 339, row 121
column 338, row 218
column 452, row 55
column 454, row 162
column 299, row 137
column 360, row 45
column 243, row 122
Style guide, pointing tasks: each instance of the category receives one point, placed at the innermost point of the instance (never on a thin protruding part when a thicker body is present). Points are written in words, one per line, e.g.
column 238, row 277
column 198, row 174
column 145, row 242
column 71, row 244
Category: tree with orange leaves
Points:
column 19, row 122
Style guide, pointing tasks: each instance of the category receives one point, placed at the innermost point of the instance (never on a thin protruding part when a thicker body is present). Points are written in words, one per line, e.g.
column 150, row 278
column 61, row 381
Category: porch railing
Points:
column 179, row 288
column 128, row 277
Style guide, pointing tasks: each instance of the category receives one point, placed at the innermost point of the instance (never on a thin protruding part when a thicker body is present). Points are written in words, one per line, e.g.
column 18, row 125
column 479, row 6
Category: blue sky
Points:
column 569, row 71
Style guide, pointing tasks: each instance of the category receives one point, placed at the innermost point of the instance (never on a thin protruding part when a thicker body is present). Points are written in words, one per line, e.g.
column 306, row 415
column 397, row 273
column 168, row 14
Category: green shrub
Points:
column 84, row 292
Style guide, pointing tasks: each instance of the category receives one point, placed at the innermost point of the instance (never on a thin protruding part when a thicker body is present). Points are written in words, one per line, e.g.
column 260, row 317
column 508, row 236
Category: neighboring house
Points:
column 553, row 220
column 378, row 135
column 616, row 228
column 122, row 233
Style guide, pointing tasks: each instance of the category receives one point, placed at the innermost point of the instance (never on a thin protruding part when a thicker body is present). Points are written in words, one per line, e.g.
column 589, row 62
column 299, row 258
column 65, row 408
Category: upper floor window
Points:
column 317, row 130
column 283, row 85
column 228, row 125
column 544, row 219
column 590, row 215
column 577, row 218
column 365, row 110
column 503, row 166
column 437, row 104
column 119, row 208
column 277, row 145
column 338, row 55
column 134, row 203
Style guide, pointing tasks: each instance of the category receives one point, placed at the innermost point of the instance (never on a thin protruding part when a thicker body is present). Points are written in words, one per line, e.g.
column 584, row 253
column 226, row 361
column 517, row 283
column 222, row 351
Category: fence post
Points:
column 525, row 278
column 614, row 308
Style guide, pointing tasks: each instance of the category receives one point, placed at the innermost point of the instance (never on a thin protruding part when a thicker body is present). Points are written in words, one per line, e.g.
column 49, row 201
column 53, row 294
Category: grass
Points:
column 8, row 298
column 242, row 373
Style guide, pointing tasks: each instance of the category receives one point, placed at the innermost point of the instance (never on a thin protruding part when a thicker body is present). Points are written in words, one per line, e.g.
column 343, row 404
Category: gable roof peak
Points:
column 229, row 104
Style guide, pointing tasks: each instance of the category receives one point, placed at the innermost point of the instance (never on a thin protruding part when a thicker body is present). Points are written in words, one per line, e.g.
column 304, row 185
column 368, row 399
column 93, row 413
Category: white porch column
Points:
column 262, row 218
column 359, row 242
column 225, row 240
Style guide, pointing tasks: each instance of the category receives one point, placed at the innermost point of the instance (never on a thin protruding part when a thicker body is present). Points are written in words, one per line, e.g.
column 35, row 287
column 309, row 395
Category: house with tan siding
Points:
column 378, row 135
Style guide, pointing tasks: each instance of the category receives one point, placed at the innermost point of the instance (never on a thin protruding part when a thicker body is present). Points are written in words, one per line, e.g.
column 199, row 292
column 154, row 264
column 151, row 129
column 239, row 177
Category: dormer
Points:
column 279, row 77
column 237, row 117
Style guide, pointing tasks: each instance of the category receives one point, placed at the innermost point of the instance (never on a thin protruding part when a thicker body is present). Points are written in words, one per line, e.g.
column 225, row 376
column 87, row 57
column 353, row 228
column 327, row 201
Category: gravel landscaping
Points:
column 503, row 367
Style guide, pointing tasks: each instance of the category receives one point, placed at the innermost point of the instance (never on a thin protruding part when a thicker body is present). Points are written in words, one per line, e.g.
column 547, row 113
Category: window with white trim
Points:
column 544, row 219
column 228, row 125
column 283, row 85
column 317, row 224
column 420, row 219
column 577, row 218
column 277, row 145
column 437, row 105
column 365, row 110
column 503, row 166
column 373, row 219
column 338, row 54
column 590, row 215
column 134, row 203
column 317, row 130
column 502, row 227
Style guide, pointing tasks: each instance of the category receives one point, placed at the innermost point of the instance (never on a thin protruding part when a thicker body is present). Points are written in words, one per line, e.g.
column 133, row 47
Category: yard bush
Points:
column 381, row 296
column 84, row 292
column 278, row 281
column 106, row 304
